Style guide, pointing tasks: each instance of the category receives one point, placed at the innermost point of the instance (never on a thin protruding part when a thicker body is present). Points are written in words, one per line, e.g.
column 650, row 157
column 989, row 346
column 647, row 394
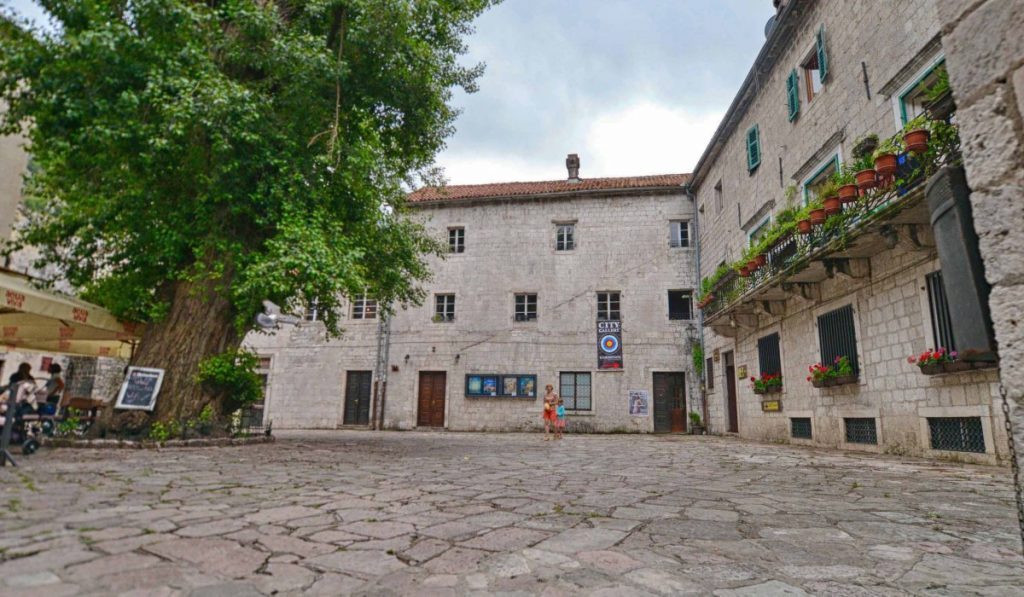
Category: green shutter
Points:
column 822, row 55
column 753, row 148
column 793, row 95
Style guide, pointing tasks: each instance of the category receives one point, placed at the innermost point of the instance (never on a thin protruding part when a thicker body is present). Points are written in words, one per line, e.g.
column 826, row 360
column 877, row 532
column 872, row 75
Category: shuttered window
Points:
column 942, row 324
column 793, row 94
column 753, row 148
column 709, row 372
column 837, row 337
column 769, row 357
column 822, row 55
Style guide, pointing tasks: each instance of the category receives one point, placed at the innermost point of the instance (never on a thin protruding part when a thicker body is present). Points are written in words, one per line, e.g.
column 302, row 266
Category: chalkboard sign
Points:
column 140, row 388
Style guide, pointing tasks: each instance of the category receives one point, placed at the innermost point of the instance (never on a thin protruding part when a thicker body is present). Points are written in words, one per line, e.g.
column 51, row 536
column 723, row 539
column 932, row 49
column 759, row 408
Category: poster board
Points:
column 140, row 389
column 639, row 403
column 494, row 385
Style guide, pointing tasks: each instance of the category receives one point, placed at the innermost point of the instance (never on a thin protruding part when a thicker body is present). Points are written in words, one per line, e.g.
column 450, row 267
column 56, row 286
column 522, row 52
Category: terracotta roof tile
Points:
column 516, row 189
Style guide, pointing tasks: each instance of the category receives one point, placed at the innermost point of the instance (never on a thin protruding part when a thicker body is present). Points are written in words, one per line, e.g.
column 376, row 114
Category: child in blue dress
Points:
column 560, row 421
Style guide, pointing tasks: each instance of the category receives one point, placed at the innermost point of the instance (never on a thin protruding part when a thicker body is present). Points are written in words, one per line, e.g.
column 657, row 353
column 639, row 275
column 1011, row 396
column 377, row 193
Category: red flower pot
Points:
column 744, row 272
column 818, row 216
column 832, row 205
column 848, row 193
column 917, row 140
column 803, row 226
column 752, row 265
column 886, row 165
column 761, row 260
column 866, row 180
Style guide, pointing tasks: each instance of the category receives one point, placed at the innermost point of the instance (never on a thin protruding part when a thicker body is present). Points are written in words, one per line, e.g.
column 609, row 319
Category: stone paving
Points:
column 453, row 514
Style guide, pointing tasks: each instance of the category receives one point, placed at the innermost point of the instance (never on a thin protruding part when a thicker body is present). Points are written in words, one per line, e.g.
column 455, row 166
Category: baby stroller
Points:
column 27, row 424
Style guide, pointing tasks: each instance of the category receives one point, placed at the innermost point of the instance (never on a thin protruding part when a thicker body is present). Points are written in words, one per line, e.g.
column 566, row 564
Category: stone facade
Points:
column 621, row 244
column 876, row 51
column 985, row 50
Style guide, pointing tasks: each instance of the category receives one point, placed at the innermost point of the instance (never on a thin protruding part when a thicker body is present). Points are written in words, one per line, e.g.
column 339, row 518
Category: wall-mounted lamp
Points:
column 457, row 357
column 406, row 358
column 433, row 349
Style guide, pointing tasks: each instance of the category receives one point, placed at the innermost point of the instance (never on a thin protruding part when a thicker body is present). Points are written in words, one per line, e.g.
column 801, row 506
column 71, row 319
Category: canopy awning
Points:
column 35, row 319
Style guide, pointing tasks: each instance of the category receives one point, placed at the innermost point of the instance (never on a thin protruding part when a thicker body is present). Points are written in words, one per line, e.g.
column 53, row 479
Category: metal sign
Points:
column 771, row 406
column 609, row 345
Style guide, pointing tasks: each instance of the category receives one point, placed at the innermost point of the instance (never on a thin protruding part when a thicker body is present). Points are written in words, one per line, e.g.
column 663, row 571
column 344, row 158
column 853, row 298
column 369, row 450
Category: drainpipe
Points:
column 380, row 373
column 700, row 316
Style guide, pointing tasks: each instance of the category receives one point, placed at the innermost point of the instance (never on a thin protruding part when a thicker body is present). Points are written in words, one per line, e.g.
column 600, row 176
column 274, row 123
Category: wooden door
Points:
column 431, row 399
column 358, row 386
column 730, row 393
column 669, row 402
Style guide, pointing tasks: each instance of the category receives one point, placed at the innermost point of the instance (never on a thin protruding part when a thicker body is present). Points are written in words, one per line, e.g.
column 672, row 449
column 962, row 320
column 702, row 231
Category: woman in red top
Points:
column 550, row 415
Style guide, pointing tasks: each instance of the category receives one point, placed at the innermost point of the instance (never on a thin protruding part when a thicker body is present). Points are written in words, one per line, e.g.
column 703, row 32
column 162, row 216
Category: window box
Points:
column 829, row 382
column 768, row 390
column 954, row 367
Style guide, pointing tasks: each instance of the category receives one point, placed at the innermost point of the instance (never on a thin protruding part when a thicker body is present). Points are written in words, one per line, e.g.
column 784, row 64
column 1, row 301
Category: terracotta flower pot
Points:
column 818, row 216
column 752, row 265
column 803, row 226
column 761, row 260
column 866, row 179
column 744, row 272
column 833, row 205
column 848, row 193
column 886, row 165
column 917, row 140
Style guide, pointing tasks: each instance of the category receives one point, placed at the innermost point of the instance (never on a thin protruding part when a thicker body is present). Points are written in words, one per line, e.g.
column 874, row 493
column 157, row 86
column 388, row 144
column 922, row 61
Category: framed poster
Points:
column 527, row 385
column 609, row 345
column 639, row 403
column 510, row 386
column 490, row 386
column 140, row 388
column 474, row 385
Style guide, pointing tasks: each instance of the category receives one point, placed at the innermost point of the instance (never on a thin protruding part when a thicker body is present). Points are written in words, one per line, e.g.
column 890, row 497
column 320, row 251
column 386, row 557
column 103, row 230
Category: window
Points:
column 812, row 76
column 608, row 306
column 800, row 427
column 312, row 312
column 753, row 148
column 860, row 431
column 456, row 240
column 364, row 308
column 793, row 95
column 769, row 357
column 942, row 324
column 709, row 372
column 679, row 304
column 575, row 390
column 679, row 233
column 444, row 307
column 564, row 237
column 755, row 235
column 957, row 434
column 526, row 307
column 914, row 97
column 719, row 200
column 837, row 337
column 819, row 178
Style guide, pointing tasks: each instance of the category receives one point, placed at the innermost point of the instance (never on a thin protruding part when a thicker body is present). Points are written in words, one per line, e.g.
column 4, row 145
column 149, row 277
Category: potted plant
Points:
column 821, row 375
column 696, row 426
column 939, row 100
column 767, row 384
column 743, row 272
column 865, row 146
column 934, row 362
column 829, row 192
column 816, row 213
column 865, row 174
column 916, row 134
column 843, row 369
column 847, row 185
column 886, row 162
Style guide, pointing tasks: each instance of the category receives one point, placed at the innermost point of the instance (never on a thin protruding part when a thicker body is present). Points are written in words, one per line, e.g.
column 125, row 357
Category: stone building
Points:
column 534, row 270
column 829, row 75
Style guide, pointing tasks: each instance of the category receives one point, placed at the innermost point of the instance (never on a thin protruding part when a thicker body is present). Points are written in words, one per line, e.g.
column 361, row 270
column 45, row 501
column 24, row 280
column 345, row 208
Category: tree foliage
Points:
column 258, row 145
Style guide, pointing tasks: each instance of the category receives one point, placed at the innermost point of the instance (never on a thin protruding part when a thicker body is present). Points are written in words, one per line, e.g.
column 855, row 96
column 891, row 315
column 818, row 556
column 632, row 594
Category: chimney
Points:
column 572, row 163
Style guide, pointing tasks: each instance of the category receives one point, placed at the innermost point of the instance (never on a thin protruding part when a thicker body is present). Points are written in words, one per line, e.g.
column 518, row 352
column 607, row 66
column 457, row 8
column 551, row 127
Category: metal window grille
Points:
column 861, row 431
column 769, row 357
column 312, row 311
column 564, row 237
column 364, row 308
column 444, row 307
column 709, row 371
column 680, row 304
column 957, row 434
column 837, row 337
column 800, row 428
column 526, row 307
column 942, row 324
column 679, row 233
column 608, row 306
column 575, row 390
column 456, row 240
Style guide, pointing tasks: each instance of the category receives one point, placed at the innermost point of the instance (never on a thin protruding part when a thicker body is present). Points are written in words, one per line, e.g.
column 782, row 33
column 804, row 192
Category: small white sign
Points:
column 140, row 389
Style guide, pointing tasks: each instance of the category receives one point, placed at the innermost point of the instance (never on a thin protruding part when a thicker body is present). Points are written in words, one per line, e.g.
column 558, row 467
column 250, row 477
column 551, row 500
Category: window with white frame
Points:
column 456, row 240
column 912, row 100
column 312, row 312
column 574, row 390
column 526, row 307
column 679, row 233
column 444, row 307
column 363, row 307
column 755, row 235
column 820, row 177
column 608, row 306
column 565, row 235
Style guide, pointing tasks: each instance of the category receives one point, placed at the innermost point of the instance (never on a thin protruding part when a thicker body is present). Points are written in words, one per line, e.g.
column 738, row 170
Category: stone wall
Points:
column 984, row 42
column 622, row 244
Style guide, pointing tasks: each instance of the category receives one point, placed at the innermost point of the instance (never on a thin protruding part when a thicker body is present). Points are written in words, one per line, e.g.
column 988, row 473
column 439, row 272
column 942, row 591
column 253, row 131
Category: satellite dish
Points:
column 272, row 317
column 265, row 321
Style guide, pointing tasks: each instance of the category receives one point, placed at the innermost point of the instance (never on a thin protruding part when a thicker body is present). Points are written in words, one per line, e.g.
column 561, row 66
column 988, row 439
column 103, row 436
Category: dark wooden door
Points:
column 669, row 402
column 358, row 386
column 431, row 399
column 730, row 393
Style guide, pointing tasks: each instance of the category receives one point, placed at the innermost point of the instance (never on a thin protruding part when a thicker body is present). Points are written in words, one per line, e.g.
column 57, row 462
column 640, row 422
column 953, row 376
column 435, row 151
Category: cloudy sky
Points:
column 633, row 86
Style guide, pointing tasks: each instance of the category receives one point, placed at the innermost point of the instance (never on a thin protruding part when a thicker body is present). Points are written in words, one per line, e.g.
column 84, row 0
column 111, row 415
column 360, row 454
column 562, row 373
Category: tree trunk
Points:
column 199, row 324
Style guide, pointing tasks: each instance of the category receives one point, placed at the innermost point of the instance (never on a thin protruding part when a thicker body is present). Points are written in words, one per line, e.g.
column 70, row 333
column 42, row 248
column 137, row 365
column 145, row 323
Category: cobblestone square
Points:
column 452, row 514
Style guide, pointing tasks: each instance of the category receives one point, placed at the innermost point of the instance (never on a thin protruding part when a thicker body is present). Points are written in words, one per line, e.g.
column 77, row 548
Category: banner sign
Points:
column 609, row 345
column 638, row 403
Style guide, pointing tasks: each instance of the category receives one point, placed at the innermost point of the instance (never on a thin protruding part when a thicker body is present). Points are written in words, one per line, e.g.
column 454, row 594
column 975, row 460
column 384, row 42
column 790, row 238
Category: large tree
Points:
column 195, row 158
